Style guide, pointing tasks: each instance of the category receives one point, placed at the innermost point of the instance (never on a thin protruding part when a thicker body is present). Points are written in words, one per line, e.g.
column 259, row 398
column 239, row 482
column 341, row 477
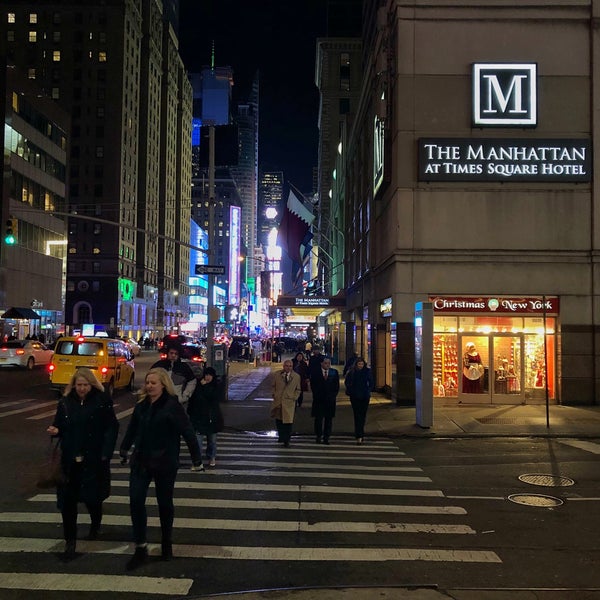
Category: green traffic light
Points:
column 9, row 239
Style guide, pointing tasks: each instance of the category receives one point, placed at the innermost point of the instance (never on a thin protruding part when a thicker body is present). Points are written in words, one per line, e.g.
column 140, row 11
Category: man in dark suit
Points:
column 325, row 385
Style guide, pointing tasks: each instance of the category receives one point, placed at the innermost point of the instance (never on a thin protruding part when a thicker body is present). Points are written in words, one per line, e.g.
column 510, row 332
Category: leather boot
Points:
column 139, row 558
column 69, row 553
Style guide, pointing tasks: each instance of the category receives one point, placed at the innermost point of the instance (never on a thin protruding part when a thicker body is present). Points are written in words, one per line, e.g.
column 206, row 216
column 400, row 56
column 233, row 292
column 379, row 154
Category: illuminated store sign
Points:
column 499, row 305
column 312, row 301
column 504, row 94
column 497, row 159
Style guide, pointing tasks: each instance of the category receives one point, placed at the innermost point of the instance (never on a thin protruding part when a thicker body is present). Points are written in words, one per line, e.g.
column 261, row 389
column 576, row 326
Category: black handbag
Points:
column 51, row 473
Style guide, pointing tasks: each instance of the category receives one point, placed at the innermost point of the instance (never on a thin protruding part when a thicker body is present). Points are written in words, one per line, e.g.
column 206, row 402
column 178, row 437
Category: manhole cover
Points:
column 546, row 480
column 535, row 500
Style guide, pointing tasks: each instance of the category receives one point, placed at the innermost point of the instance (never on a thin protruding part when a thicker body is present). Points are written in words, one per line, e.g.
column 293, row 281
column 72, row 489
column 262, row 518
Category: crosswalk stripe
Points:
column 10, row 413
column 271, row 553
column 308, row 454
column 49, row 413
column 592, row 447
column 282, row 505
column 338, row 467
column 297, row 474
column 252, row 525
column 270, row 487
column 72, row 582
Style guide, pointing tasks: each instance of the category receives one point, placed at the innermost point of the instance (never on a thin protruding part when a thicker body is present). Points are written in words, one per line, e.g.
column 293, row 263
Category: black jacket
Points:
column 324, row 393
column 156, row 429
column 88, row 429
column 204, row 409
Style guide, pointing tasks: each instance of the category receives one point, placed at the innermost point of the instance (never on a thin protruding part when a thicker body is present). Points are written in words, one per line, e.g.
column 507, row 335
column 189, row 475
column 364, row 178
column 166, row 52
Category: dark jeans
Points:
column 359, row 408
column 139, row 481
column 70, row 499
column 284, row 430
column 323, row 427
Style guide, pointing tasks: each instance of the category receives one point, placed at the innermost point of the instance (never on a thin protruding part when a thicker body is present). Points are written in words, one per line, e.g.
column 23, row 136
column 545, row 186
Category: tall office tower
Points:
column 270, row 204
column 33, row 175
column 115, row 67
column 245, row 173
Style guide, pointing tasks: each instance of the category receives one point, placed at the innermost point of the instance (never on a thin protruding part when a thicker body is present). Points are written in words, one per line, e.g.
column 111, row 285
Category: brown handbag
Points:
column 51, row 473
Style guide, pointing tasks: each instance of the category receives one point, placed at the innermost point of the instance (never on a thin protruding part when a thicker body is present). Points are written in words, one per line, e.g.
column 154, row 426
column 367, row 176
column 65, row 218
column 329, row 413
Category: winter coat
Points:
column 204, row 409
column 301, row 367
column 324, row 393
column 182, row 376
column 285, row 395
column 156, row 429
column 359, row 383
column 87, row 429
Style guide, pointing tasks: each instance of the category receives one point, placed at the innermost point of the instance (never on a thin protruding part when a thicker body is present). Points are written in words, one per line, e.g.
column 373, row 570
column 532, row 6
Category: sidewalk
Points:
column 449, row 420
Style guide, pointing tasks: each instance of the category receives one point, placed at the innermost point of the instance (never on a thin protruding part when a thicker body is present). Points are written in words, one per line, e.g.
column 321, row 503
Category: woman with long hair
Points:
column 157, row 425
column 86, row 424
column 359, row 385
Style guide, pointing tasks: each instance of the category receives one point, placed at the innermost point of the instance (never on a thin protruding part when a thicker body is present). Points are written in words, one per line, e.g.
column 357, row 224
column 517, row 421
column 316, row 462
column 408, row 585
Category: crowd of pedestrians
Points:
column 87, row 428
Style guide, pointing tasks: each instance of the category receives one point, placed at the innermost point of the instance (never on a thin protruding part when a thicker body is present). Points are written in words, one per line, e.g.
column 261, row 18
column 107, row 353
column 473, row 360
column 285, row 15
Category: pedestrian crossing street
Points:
column 333, row 504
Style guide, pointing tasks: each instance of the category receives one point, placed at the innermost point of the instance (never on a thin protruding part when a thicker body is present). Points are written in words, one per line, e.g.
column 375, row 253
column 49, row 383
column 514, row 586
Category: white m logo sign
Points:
column 504, row 94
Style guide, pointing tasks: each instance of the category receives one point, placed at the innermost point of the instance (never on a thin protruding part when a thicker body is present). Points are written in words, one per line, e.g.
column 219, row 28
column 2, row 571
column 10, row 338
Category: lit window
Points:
column 56, row 55
column 55, row 93
column 31, row 73
column 11, row 18
column 33, row 17
column 101, row 56
column 10, row 36
column 33, row 36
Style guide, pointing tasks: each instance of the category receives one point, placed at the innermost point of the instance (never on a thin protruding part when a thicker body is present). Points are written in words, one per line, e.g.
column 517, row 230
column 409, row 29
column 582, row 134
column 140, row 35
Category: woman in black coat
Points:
column 156, row 427
column 300, row 366
column 205, row 413
column 86, row 424
column 359, row 385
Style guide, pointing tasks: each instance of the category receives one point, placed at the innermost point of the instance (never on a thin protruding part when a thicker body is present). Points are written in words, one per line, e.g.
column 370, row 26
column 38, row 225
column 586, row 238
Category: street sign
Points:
column 209, row 270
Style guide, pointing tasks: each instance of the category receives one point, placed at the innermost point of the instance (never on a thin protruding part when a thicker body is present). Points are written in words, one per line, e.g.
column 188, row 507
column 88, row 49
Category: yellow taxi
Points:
column 111, row 360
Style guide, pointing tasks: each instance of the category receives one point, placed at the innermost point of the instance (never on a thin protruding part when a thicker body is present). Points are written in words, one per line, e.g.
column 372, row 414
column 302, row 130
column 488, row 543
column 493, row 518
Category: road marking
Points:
column 261, row 504
column 50, row 413
column 17, row 402
column 10, row 413
column 72, row 582
column 592, row 447
column 302, row 464
column 297, row 474
column 252, row 525
column 276, row 553
column 308, row 489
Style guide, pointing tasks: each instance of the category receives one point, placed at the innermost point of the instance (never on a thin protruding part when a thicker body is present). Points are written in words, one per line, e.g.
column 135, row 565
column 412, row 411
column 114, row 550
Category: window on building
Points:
column 56, row 18
column 33, row 36
column 31, row 73
column 344, row 106
column 99, row 151
column 56, row 36
column 33, row 17
column 11, row 17
column 101, row 56
column 55, row 93
column 10, row 36
column 56, row 55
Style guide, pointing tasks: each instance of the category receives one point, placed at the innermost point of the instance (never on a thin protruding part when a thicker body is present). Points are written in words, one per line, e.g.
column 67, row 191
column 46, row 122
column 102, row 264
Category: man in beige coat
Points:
column 286, row 389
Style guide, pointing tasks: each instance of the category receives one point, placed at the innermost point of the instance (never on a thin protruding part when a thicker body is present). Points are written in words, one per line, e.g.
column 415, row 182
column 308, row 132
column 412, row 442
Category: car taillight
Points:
column 51, row 367
column 104, row 370
column 20, row 352
column 163, row 356
column 197, row 359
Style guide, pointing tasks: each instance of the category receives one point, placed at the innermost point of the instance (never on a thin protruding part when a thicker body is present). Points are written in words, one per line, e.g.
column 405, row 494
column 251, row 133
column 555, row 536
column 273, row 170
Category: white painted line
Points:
column 72, row 582
column 308, row 455
column 250, row 525
column 50, row 413
column 476, row 497
column 10, row 413
column 319, row 467
column 17, row 402
column 295, row 553
column 309, row 489
column 261, row 504
column 297, row 474
column 124, row 413
column 592, row 447
column 584, row 499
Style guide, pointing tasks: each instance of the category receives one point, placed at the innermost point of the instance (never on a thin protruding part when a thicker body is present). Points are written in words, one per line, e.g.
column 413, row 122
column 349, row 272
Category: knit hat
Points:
column 210, row 371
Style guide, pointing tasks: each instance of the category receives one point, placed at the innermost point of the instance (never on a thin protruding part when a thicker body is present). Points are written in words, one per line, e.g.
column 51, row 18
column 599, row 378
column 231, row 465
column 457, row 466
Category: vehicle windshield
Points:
column 79, row 349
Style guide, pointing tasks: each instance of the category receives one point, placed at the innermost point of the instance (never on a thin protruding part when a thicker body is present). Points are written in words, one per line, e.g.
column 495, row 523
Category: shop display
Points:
column 445, row 365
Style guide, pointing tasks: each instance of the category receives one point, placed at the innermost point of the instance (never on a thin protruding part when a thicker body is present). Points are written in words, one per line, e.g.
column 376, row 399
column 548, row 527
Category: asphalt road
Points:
column 408, row 512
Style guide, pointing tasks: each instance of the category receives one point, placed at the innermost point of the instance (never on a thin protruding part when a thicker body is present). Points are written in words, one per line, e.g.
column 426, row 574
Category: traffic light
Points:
column 10, row 234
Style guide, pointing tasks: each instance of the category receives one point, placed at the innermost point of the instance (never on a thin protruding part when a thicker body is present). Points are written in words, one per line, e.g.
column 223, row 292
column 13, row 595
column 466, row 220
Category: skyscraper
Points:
column 115, row 67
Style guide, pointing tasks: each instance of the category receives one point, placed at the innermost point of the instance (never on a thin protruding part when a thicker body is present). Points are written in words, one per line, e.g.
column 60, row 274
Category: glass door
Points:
column 506, row 369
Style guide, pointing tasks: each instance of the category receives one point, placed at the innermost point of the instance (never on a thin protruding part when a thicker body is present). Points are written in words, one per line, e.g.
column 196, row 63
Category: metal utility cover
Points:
column 537, row 500
column 546, row 480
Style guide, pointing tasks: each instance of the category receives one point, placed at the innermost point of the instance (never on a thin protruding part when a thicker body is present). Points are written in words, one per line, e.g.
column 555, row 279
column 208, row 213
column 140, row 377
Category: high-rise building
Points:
column 34, row 172
column 270, row 204
column 115, row 67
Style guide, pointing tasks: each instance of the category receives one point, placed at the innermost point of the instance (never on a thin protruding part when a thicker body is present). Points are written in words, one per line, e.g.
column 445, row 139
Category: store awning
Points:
column 20, row 313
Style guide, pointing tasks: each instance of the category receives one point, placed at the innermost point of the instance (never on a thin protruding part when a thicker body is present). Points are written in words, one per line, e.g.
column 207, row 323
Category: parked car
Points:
column 133, row 345
column 239, row 348
column 173, row 338
column 24, row 353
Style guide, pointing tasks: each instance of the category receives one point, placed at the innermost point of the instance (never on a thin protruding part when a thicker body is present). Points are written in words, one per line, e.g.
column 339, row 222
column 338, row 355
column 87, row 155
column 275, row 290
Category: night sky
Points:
column 277, row 38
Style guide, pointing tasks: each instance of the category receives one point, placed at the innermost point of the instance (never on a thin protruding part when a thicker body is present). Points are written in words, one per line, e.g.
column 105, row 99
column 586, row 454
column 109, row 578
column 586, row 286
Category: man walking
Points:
column 286, row 390
column 325, row 385
column 181, row 373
